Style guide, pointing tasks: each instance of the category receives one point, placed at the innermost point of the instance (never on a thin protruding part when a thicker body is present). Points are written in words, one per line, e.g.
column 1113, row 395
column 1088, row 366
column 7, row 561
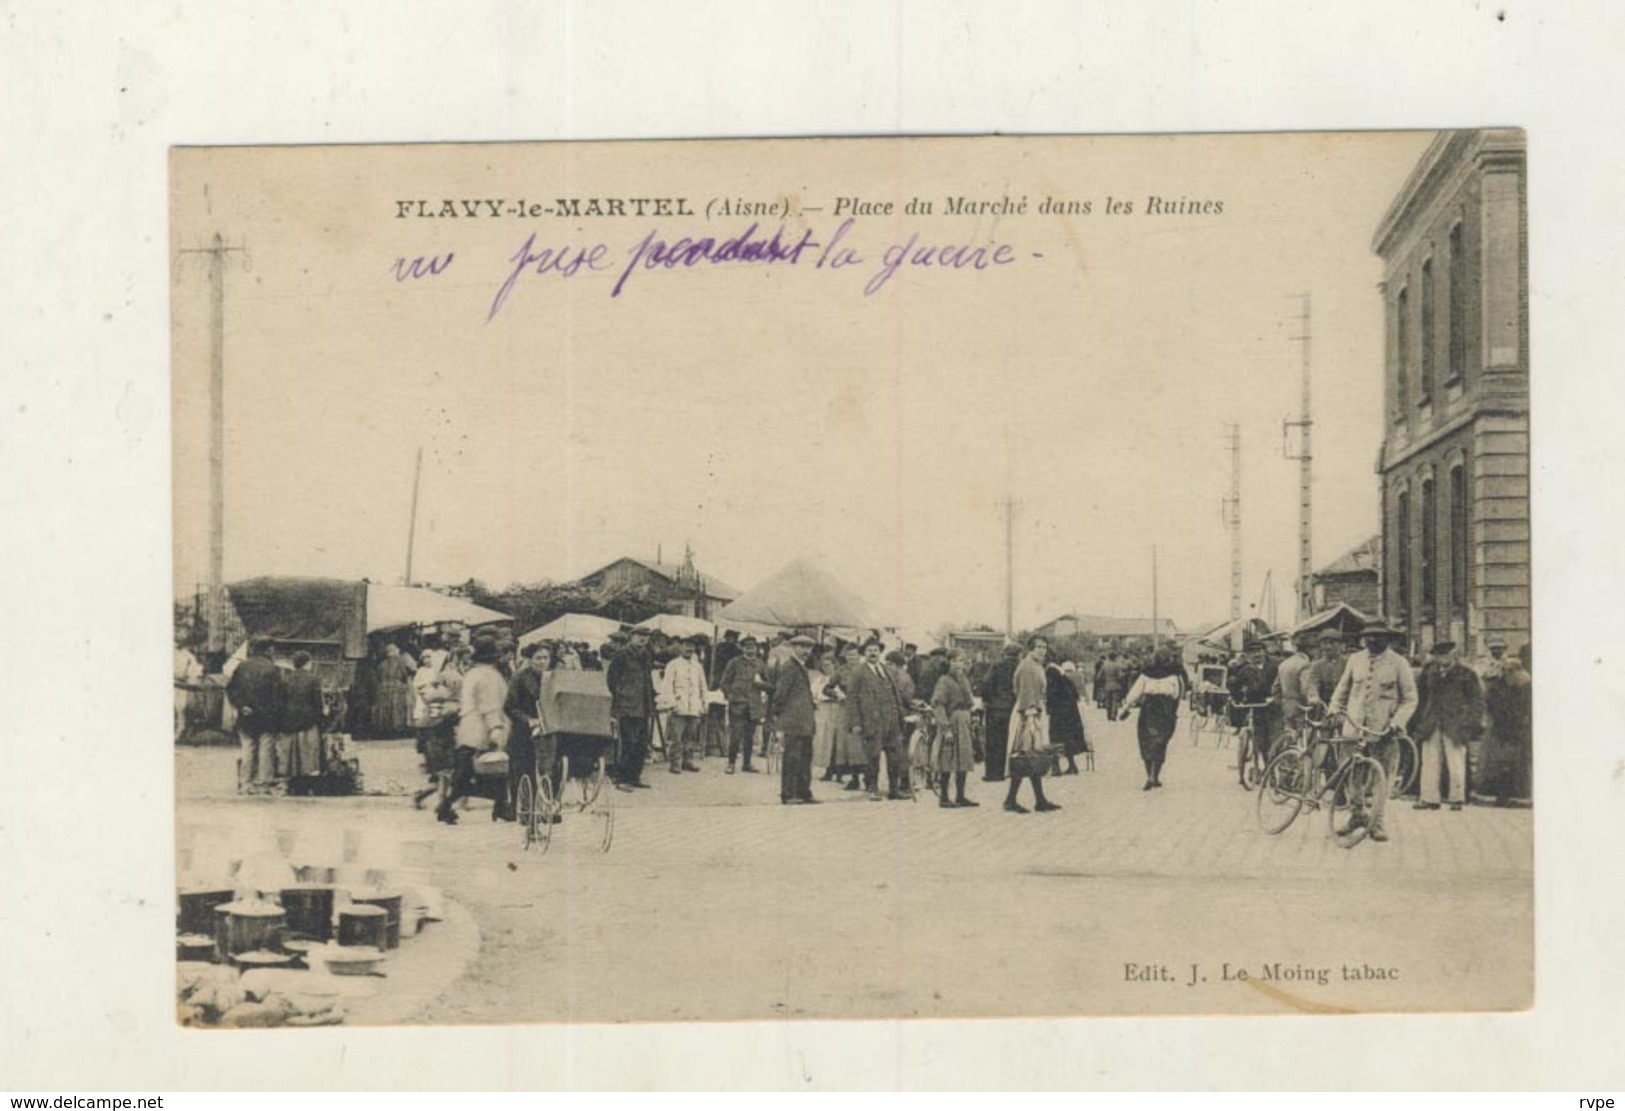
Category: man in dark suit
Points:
column 256, row 689
column 791, row 713
column 1449, row 714
column 876, row 712
column 998, row 694
column 302, row 713
column 632, row 706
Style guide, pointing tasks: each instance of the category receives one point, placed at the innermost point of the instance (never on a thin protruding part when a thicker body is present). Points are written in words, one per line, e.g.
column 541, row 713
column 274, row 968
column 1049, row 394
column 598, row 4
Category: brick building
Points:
column 1353, row 578
column 1455, row 453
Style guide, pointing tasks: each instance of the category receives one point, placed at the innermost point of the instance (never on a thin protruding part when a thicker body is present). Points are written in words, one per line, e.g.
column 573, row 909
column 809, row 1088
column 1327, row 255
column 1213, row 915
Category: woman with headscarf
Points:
column 951, row 703
column 392, row 708
column 1065, row 718
column 1156, row 691
column 435, row 686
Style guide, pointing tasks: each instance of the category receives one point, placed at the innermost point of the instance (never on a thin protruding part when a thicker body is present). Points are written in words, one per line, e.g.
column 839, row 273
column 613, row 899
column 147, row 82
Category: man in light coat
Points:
column 684, row 690
column 1377, row 691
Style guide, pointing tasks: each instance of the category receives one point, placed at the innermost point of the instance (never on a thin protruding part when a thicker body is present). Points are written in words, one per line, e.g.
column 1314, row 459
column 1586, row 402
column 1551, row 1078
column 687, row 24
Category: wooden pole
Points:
column 1156, row 623
column 217, row 251
column 412, row 525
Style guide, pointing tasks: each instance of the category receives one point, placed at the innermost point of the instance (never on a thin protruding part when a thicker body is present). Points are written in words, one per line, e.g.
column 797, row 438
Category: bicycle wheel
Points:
column 1407, row 764
column 1280, row 792
column 603, row 809
column 547, row 811
column 524, row 812
column 1362, row 786
column 592, row 786
column 1244, row 755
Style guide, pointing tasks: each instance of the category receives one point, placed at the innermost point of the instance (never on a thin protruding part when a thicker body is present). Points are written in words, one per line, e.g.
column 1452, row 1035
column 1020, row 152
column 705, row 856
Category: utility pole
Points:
column 1304, row 456
column 1156, row 622
column 1232, row 518
column 412, row 526
column 1009, row 503
column 217, row 252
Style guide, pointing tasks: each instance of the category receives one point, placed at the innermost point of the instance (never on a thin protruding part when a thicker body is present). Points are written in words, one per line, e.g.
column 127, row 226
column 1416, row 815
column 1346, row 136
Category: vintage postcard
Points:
column 852, row 579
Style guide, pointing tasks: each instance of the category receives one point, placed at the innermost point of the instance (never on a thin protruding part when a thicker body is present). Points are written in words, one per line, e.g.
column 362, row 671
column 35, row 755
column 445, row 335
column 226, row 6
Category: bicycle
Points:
column 1407, row 765
column 1207, row 709
column 1295, row 779
column 1250, row 761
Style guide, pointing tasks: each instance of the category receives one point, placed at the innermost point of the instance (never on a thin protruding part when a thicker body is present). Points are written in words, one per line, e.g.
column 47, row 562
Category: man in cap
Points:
column 1289, row 682
column 632, row 705
column 1251, row 682
column 1320, row 679
column 1377, row 692
column 742, row 684
column 685, row 692
column 1449, row 714
column 791, row 714
column 998, row 695
column 725, row 654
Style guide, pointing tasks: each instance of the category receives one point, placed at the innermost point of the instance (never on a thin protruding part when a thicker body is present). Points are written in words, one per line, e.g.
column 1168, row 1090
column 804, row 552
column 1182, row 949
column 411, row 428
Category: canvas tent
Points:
column 680, row 626
column 311, row 611
column 582, row 628
column 343, row 613
column 1342, row 617
column 799, row 596
column 1225, row 635
column 396, row 607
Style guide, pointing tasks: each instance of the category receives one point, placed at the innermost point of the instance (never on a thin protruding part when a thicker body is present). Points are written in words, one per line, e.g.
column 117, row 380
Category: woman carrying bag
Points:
column 1030, row 755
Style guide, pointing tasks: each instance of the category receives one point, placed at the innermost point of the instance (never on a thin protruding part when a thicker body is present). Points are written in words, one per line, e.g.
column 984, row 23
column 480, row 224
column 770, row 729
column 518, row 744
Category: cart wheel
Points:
column 592, row 786
column 605, row 817
column 547, row 810
column 524, row 812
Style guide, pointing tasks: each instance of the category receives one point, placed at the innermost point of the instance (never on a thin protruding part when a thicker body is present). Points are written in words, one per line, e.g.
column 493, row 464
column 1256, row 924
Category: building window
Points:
column 1402, row 514
column 1458, row 307
column 1458, row 539
column 1424, row 388
column 1430, row 550
column 1402, row 356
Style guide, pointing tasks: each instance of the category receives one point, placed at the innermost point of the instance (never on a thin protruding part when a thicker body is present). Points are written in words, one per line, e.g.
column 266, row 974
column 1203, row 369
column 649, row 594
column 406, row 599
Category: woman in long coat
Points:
column 850, row 755
column 951, row 703
column 1156, row 692
column 820, row 666
column 1065, row 719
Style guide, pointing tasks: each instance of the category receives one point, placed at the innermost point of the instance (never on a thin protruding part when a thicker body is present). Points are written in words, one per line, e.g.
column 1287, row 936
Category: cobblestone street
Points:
column 718, row 903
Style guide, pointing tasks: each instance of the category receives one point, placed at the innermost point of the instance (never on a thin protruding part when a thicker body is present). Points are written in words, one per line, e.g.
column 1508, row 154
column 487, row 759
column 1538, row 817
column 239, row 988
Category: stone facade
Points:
column 1455, row 456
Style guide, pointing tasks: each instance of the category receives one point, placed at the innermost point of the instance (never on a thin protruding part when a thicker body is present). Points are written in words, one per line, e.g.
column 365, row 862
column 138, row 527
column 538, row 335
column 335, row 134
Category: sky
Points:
column 759, row 413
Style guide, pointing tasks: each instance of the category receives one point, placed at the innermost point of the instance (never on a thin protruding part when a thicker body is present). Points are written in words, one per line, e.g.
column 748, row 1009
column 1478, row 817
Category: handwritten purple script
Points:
column 752, row 246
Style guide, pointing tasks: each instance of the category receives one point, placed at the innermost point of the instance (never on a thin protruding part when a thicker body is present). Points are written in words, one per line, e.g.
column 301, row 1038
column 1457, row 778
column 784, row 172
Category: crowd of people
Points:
column 1472, row 726
column 280, row 719
column 888, row 721
column 878, row 721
